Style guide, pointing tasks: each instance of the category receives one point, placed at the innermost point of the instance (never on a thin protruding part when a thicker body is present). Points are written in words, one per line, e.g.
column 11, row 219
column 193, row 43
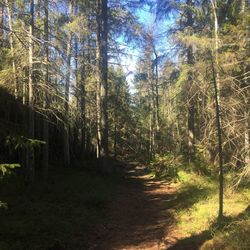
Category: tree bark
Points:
column 46, row 83
column 30, row 151
column 67, row 85
column 83, row 107
column 104, row 50
column 98, row 98
column 216, row 81
column 157, row 91
column 12, row 49
column 77, row 94
column 244, row 5
column 246, row 137
column 191, row 103
column 2, row 25
column 102, row 88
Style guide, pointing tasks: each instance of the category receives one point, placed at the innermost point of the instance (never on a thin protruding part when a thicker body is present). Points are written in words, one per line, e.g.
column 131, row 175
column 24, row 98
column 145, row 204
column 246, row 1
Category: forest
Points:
column 124, row 124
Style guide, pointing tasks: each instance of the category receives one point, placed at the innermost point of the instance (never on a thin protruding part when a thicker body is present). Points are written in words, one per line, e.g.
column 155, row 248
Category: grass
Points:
column 70, row 203
column 234, row 236
column 197, row 210
column 196, row 205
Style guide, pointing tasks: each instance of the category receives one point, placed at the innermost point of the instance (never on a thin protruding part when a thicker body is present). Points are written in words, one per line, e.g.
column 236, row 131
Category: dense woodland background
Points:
column 65, row 101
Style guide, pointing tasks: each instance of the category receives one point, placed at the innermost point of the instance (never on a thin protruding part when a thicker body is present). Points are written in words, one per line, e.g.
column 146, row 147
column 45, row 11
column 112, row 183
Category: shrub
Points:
column 166, row 166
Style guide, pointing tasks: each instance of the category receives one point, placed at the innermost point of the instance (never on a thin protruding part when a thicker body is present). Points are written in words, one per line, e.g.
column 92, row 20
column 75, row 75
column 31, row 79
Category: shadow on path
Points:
column 139, row 218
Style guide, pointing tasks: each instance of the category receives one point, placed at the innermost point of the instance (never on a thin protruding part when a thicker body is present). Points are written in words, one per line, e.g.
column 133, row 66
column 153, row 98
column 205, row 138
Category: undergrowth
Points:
column 37, row 216
column 197, row 208
column 235, row 236
column 196, row 203
column 166, row 166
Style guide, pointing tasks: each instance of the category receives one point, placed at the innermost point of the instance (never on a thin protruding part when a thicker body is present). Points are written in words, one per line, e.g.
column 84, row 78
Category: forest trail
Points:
column 140, row 216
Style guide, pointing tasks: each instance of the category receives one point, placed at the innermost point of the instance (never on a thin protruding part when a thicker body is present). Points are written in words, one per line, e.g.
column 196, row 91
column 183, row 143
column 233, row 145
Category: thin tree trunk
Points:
column 83, row 110
column 25, row 88
column 191, row 108
column 2, row 25
column 102, row 46
column 77, row 95
column 14, row 71
column 153, row 119
column 98, row 98
column 150, row 137
column 82, row 97
column 104, row 50
column 219, row 133
column 244, row 5
column 115, row 137
column 157, row 92
column 117, row 94
column 46, row 83
column 246, row 138
column 30, row 156
column 191, row 137
column 216, row 81
column 66, row 102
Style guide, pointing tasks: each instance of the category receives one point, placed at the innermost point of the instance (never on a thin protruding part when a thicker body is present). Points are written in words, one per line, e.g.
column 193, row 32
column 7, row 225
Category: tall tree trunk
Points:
column 12, row 49
column 153, row 113
column 191, row 103
column 46, row 83
column 38, row 10
column 246, row 136
column 115, row 138
column 83, row 104
column 102, row 46
column 151, row 107
column 216, row 81
column 1, row 24
column 104, row 49
column 76, row 94
column 157, row 91
column 244, row 5
column 98, row 98
column 67, row 85
column 150, row 153
column 117, row 94
column 30, row 151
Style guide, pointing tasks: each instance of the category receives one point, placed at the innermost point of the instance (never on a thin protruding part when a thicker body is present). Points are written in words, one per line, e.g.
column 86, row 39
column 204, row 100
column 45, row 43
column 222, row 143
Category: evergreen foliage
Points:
column 66, row 101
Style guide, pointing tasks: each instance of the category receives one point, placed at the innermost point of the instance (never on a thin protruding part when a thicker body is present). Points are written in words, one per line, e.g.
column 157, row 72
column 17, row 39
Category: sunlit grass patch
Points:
column 235, row 236
column 199, row 209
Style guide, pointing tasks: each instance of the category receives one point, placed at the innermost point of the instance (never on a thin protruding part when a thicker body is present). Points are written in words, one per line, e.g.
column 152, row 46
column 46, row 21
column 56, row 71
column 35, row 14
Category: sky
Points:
column 148, row 20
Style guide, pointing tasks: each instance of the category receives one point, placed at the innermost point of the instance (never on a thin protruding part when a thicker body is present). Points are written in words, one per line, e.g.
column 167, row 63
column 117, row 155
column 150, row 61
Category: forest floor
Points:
column 129, row 210
column 141, row 217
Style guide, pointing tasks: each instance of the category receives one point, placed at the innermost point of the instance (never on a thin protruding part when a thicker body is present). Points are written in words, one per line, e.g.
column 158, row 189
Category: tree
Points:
column 67, row 87
column 12, row 49
column 102, row 81
column 186, row 8
column 30, row 156
column 46, row 83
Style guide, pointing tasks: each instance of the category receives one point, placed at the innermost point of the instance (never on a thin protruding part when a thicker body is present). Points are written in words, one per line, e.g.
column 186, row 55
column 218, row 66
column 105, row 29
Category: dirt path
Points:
column 140, row 216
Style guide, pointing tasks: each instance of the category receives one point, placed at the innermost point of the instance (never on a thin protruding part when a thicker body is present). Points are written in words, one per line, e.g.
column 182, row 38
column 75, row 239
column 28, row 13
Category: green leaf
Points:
column 4, row 168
